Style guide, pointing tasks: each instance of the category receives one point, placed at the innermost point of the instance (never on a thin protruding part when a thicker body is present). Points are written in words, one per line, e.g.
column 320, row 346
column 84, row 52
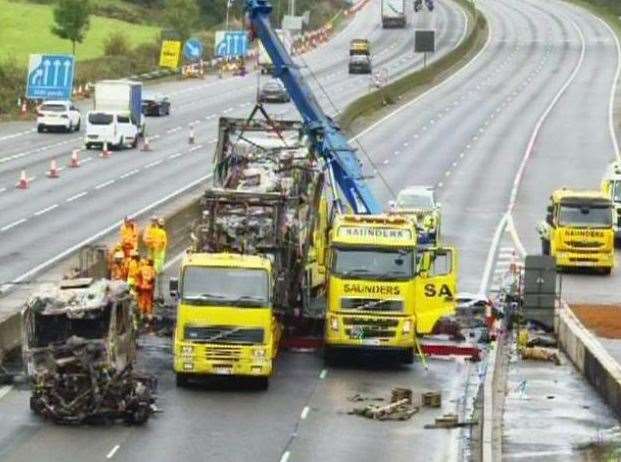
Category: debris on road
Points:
column 403, row 404
column 450, row 421
column 79, row 347
column 541, row 354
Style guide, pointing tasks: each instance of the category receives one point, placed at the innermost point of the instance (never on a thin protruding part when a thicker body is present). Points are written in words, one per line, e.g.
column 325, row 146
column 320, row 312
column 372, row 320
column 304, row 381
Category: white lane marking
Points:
column 2, row 190
column 45, row 210
column 195, row 148
column 87, row 159
column 103, row 185
column 77, row 196
column 305, row 411
column 285, row 456
column 173, row 130
column 174, row 156
column 112, row 227
column 152, row 164
column 13, row 225
column 128, row 174
column 112, row 452
column 323, row 374
column 19, row 155
column 5, row 390
column 613, row 91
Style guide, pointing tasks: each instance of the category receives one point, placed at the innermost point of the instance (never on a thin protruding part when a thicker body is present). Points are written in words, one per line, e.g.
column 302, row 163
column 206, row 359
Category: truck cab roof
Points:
column 224, row 259
column 569, row 195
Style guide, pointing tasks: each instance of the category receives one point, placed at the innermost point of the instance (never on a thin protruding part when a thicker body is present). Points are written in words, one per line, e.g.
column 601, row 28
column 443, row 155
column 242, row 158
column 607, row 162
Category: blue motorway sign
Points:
column 50, row 77
column 193, row 49
column 231, row 44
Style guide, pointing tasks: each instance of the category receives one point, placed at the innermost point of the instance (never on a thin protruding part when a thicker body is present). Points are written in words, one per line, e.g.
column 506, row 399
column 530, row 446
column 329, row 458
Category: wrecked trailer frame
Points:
column 79, row 349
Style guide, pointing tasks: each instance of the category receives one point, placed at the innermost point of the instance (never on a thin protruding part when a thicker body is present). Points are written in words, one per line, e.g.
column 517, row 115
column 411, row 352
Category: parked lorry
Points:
column 578, row 230
column 79, row 349
column 250, row 261
column 611, row 186
column 383, row 290
column 393, row 13
column 116, row 119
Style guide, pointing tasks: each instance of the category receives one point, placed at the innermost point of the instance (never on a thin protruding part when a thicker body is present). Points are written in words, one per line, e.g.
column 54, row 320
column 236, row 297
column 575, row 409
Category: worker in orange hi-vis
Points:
column 117, row 265
column 132, row 267
column 147, row 236
column 160, row 243
column 129, row 236
column 146, row 285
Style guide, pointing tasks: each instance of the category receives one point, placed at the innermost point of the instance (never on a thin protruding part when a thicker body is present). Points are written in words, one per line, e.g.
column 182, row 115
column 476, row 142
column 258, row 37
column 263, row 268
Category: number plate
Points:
column 371, row 341
column 223, row 370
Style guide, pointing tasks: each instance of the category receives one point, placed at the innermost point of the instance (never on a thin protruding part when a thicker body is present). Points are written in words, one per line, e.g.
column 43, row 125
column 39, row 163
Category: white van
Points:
column 114, row 128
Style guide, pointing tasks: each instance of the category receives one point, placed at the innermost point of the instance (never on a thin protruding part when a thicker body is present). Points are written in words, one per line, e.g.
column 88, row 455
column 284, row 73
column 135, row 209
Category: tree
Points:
column 182, row 17
column 72, row 20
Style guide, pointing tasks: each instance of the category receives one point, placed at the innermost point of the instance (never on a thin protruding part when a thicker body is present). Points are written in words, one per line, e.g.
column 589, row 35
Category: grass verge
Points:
column 373, row 105
column 25, row 29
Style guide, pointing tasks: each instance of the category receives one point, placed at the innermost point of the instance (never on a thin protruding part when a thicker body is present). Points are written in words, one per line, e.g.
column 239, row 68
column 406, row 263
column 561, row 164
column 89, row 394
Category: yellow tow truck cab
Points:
column 382, row 289
column 611, row 186
column 225, row 319
column 577, row 231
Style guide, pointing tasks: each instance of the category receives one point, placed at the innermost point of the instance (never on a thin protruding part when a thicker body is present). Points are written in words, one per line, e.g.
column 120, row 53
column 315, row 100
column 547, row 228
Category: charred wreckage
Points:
column 79, row 348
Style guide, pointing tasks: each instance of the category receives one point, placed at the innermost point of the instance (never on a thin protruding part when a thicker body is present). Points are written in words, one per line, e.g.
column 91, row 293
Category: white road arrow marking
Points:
column 67, row 65
column 56, row 69
column 46, row 65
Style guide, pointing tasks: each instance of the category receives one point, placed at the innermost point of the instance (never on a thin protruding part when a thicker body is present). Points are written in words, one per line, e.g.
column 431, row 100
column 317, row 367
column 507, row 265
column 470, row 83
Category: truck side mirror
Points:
column 173, row 287
column 549, row 209
column 549, row 219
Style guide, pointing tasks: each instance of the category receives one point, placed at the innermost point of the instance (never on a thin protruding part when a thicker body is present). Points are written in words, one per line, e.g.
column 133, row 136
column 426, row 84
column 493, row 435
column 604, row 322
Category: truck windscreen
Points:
column 373, row 264
column 585, row 215
column 616, row 191
column 225, row 286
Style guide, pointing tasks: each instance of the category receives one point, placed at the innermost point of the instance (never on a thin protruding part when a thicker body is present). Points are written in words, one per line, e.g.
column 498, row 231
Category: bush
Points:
column 116, row 44
column 12, row 85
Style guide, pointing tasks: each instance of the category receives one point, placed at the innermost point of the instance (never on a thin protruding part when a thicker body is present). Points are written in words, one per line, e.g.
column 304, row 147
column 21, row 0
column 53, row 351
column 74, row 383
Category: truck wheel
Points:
column 407, row 356
column 135, row 142
column 35, row 405
column 138, row 416
column 181, row 380
column 545, row 247
column 262, row 383
column 77, row 127
column 607, row 271
column 330, row 356
column 40, row 128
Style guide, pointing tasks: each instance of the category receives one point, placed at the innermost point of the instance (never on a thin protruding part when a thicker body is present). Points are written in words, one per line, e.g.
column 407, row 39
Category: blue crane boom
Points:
column 327, row 138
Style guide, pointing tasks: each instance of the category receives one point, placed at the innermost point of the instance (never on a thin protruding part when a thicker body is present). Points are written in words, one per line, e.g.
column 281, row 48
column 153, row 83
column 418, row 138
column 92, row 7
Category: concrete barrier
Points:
column 590, row 358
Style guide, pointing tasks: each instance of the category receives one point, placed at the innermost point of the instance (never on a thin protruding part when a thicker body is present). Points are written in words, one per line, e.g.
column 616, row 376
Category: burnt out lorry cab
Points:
column 79, row 347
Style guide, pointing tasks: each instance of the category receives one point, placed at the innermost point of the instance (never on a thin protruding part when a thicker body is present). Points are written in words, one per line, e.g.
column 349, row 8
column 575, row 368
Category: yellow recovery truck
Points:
column 578, row 230
column 383, row 290
column 252, row 259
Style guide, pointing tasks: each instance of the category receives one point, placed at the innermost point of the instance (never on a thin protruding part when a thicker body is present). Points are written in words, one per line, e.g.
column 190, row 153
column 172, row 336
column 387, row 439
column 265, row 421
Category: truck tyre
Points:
column 330, row 356
column 77, row 127
column 545, row 247
column 262, row 383
column 40, row 128
column 607, row 271
column 407, row 356
column 181, row 380
column 135, row 142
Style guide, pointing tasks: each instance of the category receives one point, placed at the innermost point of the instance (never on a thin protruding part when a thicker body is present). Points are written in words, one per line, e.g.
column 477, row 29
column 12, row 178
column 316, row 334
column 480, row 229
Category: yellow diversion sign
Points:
column 169, row 56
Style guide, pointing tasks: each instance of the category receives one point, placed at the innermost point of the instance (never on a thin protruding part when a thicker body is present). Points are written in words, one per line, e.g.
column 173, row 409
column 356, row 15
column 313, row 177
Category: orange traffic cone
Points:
column 191, row 139
column 75, row 159
column 23, row 181
column 105, row 152
column 146, row 146
column 53, row 172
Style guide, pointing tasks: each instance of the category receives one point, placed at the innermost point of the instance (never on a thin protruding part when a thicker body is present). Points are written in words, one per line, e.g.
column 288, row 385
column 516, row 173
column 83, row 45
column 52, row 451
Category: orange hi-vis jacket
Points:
column 146, row 277
column 129, row 235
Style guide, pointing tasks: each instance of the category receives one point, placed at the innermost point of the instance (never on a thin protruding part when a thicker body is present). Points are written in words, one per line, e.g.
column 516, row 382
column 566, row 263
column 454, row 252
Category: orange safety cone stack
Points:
column 75, row 159
column 191, row 139
column 146, row 146
column 53, row 172
column 23, row 181
column 105, row 153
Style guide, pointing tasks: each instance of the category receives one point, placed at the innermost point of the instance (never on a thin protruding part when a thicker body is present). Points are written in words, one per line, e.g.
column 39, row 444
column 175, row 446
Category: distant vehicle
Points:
column 59, row 115
column 264, row 61
column 393, row 13
column 116, row 118
column 360, row 64
column 419, row 201
column 359, row 47
column 273, row 92
column 155, row 104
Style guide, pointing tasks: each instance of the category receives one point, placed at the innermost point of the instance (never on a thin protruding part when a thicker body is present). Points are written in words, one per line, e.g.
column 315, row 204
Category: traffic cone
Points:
column 146, row 146
column 23, row 181
column 191, row 139
column 53, row 172
column 105, row 153
column 75, row 159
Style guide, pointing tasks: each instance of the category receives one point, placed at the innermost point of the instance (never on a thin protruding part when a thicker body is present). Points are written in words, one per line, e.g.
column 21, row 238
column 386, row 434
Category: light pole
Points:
column 228, row 7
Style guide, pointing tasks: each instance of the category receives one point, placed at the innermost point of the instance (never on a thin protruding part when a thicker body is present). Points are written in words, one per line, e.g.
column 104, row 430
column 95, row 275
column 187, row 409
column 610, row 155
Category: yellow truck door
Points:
column 436, row 286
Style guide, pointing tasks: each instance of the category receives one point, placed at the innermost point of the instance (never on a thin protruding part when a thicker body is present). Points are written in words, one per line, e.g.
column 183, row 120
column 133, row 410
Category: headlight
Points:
column 259, row 353
column 187, row 350
column 407, row 326
column 334, row 323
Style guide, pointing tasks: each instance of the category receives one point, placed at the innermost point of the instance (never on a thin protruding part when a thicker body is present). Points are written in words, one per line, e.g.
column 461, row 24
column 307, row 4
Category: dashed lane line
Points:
column 45, row 210
column 128, row 174
column 105, row 184
column 13, row 225
column 152, row 164
column 112, row 452
column 77, row 196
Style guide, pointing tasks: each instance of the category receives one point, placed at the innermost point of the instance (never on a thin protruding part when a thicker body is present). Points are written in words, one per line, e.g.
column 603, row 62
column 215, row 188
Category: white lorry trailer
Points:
column 116, row 119
column 393, row 13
